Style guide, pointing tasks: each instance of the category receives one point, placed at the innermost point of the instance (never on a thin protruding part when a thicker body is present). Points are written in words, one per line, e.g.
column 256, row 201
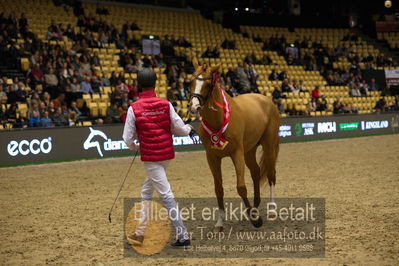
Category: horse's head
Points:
column 201, row 84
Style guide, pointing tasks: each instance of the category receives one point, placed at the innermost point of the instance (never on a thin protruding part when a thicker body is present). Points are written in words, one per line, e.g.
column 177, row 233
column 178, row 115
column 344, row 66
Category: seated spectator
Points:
column 322, row 104
column 51, row 82
column 85, row 86
column 59, row 118
column 355, row 92
column 130, row 66
column 229, row 90
column 12, row 96
column 182, row 42
column 46, row 121
column 172, row 93
column 380, row 105
column 146, row 61
column 301, row 87
column 373, row 86
column 182, row 78
column 266, row 60
column 316, row 92
column 285, row 87
column 75, row 86
column 232, row 75
column 312, row 106
column 123, row 112
column 95, row 60
column 36, row 75
column 338, row 106
column 121, row 86
column 74, row 109
column 182, row 93
column 252, row 74
column 125, row 99
column 245, row 84
column 251, row 59
column 266, row 46
column 215, row 52
column 280, row 106
column 228, row 44
column 84, row 67
column 134, row 26
column 273, row 76
column 277, row 94
column 51, row 109
column 95, row 84
column 11, row 113
column 364, row 89
column 41, row 108
column 51, row 35
column 133, row 92
column 72, row 119
column 34, row 120
column 3, row 95
column 21, row 121
column 353, row 109
column 346, row 109
column 167, row 46
column 3, row 118
column 105, row 82
column 59, row 101
column 282, row 75
column 291, row 86
column 113, row 113
column 208, row 53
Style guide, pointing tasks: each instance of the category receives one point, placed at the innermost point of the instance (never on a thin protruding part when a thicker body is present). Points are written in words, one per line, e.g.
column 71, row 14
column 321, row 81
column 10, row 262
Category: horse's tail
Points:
column 270, row 148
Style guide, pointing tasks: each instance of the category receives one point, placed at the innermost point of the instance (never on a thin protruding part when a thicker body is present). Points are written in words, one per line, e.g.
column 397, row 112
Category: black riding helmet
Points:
column 146, row 78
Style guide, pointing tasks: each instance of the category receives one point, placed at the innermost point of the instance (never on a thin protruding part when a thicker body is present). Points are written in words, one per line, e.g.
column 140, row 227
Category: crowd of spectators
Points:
column 58, row 76
column 322, row 60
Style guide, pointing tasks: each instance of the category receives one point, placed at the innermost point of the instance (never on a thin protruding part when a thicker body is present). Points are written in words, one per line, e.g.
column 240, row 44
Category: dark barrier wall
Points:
column 58, row 144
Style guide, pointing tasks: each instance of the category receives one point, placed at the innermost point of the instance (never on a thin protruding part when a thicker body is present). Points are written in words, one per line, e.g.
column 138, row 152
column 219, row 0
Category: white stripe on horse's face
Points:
column 195, row 102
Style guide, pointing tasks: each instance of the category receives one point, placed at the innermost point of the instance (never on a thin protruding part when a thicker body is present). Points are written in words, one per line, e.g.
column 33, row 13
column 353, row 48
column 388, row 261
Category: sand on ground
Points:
column 58, row 213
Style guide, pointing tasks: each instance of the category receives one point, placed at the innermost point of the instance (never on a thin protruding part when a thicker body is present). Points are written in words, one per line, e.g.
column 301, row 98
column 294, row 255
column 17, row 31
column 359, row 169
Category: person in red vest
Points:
column 152, row 121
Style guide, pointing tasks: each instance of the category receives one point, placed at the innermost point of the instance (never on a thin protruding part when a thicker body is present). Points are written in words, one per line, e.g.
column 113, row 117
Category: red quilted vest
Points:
column 153, row 127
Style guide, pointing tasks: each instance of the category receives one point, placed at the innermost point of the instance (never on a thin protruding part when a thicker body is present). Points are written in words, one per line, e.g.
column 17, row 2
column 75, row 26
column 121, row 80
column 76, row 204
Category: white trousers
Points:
column 157, row 180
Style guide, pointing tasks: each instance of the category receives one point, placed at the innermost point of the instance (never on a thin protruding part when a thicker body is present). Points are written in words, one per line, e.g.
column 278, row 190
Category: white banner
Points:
column 392, row 76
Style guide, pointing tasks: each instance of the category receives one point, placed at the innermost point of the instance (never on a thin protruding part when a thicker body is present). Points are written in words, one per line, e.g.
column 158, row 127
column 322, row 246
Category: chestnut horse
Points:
column 235, row 127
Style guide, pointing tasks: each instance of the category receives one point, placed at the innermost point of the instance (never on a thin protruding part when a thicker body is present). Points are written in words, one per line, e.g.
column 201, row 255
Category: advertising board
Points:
column 71, row 143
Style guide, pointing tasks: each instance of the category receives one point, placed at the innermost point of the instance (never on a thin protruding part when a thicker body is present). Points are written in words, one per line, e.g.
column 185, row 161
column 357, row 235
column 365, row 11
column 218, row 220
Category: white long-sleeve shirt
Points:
column 177, row 125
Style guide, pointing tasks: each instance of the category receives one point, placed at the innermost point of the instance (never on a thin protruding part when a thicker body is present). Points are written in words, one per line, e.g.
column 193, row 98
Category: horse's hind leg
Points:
column 239, row 164
column 270, row 145
column 250, row 161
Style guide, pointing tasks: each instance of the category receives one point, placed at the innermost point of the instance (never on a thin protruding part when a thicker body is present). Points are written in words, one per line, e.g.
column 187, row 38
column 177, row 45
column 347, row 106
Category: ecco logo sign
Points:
column 326, row 127
column 24, row 147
